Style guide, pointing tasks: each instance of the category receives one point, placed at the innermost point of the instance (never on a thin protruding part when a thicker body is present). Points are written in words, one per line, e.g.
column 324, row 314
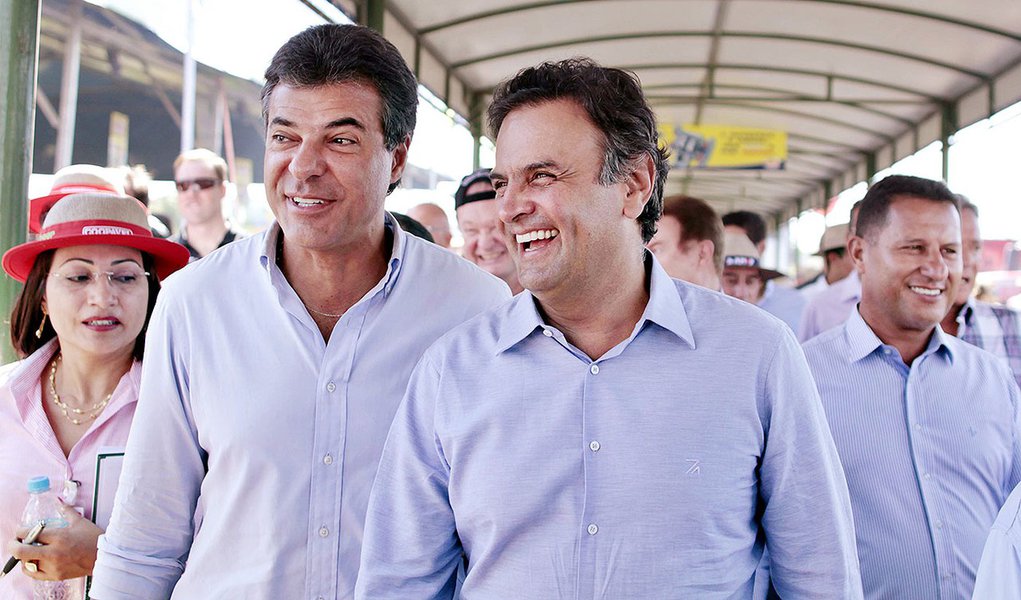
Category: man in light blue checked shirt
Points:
column 610, row 433
column 926, row 424
column 991, row 327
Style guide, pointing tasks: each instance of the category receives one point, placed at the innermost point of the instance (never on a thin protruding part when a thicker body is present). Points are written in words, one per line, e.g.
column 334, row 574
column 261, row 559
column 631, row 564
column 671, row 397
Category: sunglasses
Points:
column 204, row 183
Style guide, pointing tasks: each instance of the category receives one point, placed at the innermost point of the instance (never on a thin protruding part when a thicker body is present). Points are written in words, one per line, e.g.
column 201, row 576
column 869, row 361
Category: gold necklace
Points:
column 319, row 312
column 90, row 413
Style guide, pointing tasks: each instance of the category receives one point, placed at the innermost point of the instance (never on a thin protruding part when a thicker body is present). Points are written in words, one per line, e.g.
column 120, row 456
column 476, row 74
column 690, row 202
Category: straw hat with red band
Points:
column 72, row 179
column 90, row 219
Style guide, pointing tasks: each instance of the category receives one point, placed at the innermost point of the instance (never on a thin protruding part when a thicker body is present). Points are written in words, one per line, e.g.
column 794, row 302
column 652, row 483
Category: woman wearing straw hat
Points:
column 91, row 279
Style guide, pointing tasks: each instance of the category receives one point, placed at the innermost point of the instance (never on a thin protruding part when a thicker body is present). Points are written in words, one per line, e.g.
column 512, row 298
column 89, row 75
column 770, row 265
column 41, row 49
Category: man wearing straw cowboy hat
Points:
column 278, row 361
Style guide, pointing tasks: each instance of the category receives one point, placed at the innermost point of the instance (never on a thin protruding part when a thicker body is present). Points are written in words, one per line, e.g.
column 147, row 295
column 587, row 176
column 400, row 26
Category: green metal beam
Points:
column 786, row 70
column 929, row 16
column 19, row 50
column 370, row 14
column 475, row 106
column 948, row 126
column 668, row 100
column 822, row 41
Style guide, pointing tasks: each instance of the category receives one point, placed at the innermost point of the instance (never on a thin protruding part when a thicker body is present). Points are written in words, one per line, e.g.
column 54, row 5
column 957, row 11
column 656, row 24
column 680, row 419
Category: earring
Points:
column 42, row 325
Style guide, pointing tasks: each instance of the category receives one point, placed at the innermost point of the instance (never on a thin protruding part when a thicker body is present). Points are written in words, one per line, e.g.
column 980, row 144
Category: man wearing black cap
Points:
column 479, row 220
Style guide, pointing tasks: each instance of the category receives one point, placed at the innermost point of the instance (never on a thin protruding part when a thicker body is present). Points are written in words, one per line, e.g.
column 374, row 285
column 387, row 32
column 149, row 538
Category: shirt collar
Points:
column 664, row 309
column 28, row 373
column 967, row 313
column 268, row 257
column 863, row 341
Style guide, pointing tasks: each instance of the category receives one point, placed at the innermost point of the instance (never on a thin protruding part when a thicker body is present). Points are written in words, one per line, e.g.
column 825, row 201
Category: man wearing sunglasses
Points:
column 200, row 176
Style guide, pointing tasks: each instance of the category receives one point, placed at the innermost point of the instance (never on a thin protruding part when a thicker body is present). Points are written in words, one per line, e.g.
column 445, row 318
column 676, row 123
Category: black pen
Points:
column 33, row 534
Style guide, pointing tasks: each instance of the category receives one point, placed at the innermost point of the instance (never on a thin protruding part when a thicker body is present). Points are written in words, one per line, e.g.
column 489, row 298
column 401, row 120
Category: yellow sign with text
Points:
column 723, row 147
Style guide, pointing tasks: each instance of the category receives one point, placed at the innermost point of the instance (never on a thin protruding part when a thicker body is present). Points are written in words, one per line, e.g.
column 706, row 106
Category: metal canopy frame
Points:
column 878, row 80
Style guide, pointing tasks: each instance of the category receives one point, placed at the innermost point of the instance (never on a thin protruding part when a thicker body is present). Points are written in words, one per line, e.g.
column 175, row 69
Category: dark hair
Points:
column 754, row 226
column 28, row 308
column 964, row 203
column 875, row 206
column 698, row 222
column 413, row 226
column 136, row 183
column 329, row 54
column 613, row 100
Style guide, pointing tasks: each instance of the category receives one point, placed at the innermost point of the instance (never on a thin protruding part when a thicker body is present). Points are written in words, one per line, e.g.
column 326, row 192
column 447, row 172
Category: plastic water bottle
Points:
column 43, row 505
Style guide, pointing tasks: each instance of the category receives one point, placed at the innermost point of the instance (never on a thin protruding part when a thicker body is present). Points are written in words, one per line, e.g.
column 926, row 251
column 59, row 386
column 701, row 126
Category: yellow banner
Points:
column 723, row 147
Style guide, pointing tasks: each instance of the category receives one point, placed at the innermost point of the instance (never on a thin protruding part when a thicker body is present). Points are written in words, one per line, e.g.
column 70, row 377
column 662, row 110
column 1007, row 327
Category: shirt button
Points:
column 593, row 529
column 330, row 387
column 323, row 531
column 328, row 459
column 594, row 446
column 939, row 524
column 918, row 426
column 594, row 369
column 547, row 333
column 927, row 475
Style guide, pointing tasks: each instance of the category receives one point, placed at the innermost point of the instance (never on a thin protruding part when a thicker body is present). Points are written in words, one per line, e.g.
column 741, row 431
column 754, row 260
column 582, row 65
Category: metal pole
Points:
column 69, row 89
column 948, row 126
column 370, row 14
column 188, row 86
column 19, row 50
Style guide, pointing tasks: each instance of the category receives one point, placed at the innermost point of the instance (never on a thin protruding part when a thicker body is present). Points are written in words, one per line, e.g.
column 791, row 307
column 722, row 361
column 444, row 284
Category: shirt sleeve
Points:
column 143, row 552
column 807, row 515
column 411, row 548
column 999, row 572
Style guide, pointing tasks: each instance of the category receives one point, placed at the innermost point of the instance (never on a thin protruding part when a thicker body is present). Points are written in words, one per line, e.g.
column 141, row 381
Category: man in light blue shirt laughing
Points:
column 611, row 432
column 275, row 364
column 926, row 424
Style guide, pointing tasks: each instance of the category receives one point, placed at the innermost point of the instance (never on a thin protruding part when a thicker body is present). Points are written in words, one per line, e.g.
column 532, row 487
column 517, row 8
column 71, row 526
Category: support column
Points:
column 947, row 127
column 69, row 89
column 475, row 127
column 19, row 51
column 188, row 84
column 370, row 14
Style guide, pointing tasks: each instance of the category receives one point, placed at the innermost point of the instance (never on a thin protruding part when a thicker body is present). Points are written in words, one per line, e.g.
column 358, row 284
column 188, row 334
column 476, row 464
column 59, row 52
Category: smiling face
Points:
column 96, row 317
column 568, row 233
column 910, row 266
column 197, row 205
column 484, row 242
column 327, row 168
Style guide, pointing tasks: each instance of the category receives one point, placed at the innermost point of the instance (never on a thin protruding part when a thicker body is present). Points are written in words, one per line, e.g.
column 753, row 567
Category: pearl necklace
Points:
column 90, row 413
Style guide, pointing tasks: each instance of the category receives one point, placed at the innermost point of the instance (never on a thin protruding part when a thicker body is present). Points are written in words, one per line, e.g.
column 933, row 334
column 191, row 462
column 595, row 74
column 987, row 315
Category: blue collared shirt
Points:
column 999, row 572
column 255, row 442
column 787, row 304
column 655, row 471
column 830, row 308
column 930, row 451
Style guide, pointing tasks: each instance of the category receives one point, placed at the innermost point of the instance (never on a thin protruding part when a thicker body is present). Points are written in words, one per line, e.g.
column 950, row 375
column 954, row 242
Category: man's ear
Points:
column 400, row 159
column 706, row 249
column 856, row 249
column 639, row 186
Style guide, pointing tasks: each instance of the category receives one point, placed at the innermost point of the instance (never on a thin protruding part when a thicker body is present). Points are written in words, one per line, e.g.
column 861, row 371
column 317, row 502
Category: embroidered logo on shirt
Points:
column 694, row 466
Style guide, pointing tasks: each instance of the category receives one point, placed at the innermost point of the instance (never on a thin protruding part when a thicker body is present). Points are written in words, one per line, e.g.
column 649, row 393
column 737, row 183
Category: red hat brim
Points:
column 168, row 256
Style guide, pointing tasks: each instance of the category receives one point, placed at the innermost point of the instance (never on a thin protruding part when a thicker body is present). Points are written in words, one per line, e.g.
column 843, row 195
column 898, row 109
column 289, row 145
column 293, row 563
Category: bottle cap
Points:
column 38, row 484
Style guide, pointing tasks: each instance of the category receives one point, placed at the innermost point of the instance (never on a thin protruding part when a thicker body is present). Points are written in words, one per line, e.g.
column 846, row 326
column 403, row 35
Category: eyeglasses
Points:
column 121, row 279
column 204, row 183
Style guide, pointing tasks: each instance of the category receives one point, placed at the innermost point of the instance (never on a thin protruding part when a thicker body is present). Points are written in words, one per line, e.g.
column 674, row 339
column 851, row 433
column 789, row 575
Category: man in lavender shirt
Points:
column 275, row 365
column 579, row 442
